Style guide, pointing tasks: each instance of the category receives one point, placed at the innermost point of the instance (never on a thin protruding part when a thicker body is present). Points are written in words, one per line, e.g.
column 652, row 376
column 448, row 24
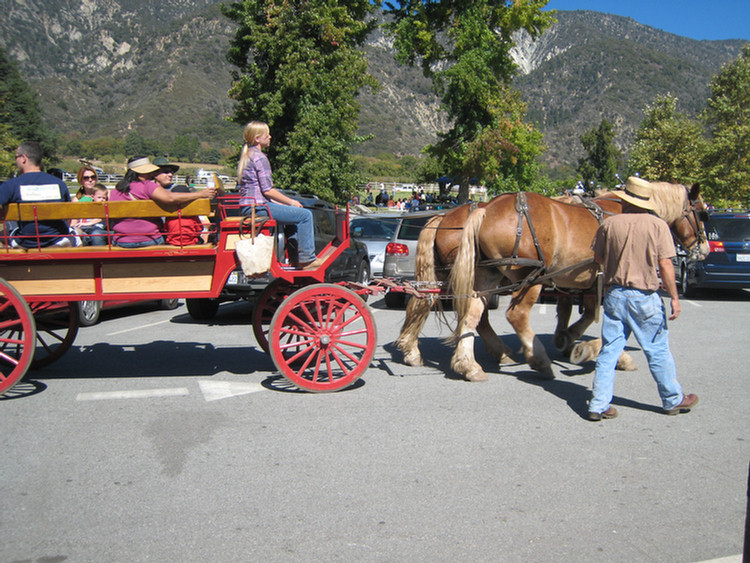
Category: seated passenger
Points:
column 256, row 187
column 87, row 178
column 33, row 185
column 92, row 231
column 138, row 184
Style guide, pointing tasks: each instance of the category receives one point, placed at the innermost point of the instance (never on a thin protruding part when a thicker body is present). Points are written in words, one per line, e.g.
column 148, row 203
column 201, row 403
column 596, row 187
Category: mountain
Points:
column 591, row 66
column 106, row 67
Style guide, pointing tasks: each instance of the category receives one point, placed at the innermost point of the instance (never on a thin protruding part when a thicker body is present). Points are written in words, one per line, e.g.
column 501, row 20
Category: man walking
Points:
column 629, row 247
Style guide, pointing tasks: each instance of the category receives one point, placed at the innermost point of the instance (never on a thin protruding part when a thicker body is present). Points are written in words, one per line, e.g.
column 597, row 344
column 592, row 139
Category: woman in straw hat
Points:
column 138, row 183
column 629, row 247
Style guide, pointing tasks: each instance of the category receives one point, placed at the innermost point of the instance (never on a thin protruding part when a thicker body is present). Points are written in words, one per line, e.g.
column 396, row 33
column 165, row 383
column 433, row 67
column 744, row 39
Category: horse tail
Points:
column 461, row 281
column 417, row 310
column 425, row 262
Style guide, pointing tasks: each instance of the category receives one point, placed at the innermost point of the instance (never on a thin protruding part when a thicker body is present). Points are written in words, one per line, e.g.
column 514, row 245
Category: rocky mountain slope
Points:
column 107, row 67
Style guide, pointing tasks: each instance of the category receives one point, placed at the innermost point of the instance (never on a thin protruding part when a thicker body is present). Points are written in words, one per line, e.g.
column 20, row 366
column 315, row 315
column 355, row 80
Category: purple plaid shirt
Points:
column 256, row 178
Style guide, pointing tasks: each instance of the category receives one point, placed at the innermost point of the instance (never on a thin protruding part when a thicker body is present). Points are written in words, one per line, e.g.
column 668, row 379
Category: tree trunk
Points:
column 463, row 191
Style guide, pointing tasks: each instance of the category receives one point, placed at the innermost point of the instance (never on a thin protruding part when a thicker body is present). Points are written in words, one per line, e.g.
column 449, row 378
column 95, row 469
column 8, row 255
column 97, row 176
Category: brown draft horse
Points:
column 524, row 242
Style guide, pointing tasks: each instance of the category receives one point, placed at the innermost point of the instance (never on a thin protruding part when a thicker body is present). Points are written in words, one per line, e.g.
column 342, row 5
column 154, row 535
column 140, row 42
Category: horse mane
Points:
column 670, row 200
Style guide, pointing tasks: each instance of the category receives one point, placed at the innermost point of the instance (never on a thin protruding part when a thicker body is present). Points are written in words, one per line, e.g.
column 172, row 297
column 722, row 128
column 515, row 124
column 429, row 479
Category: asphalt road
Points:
column 160, row 439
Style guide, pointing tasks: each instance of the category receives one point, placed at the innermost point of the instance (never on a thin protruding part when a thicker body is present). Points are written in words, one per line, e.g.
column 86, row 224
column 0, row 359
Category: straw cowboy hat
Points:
column 142, row 166
column 165, row 165
column 638, row 192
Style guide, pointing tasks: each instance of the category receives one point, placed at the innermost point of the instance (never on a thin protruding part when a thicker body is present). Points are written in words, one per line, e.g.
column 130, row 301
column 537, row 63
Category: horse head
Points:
column 690, row 229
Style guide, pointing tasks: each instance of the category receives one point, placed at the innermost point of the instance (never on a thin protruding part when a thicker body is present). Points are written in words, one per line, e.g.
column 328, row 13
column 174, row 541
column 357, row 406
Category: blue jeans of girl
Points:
column 298, row 227
column 640, row 313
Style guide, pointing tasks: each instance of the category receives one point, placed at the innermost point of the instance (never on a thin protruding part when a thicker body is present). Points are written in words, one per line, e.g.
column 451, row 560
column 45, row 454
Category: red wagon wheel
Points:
column 56, row 329
column 322, row 337
column 265, row 307
column 17, row 334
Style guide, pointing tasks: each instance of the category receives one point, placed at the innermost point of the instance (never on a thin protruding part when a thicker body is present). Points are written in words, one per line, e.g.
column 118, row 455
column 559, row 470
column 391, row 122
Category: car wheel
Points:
column 88, row 312
column 395, row 300
column 169, row 304
column 687, row 289
column 202, row 309
column 363, row 277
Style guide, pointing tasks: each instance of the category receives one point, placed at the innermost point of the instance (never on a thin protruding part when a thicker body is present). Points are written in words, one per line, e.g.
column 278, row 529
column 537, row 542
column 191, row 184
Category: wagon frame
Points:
column 320, row 336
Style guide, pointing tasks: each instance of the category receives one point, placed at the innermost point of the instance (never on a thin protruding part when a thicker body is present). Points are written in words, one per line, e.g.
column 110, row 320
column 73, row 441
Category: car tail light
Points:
column 715, row 246
column 396, row 248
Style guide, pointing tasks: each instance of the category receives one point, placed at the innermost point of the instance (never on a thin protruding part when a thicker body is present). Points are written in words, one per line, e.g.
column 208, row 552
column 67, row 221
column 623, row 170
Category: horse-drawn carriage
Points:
column 321, row 336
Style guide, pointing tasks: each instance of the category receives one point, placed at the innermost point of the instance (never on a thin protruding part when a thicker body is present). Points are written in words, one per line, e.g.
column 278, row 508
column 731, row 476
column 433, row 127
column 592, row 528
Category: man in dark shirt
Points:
column 33, row 185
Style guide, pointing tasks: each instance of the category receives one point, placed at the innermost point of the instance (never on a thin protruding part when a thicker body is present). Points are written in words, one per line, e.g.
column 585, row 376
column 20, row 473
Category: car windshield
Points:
column 381, row 229
column 729, row 228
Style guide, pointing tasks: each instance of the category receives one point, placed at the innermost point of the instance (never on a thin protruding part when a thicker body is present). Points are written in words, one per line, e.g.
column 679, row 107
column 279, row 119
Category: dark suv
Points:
column 728, row 264
column 352, row 265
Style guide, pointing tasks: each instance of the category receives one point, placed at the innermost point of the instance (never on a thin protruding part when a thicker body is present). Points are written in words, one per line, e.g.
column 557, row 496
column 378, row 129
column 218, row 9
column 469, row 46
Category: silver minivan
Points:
column 401, row 252
column 401, row 256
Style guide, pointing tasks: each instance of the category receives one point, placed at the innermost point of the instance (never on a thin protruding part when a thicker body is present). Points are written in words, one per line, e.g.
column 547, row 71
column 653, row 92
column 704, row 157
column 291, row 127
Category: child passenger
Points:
column 93, row 232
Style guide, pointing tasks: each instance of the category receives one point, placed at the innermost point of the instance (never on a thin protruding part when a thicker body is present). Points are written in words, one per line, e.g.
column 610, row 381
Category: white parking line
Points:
column 137, row 394
column 139, row 327
column 730, row 559
column 693, row 303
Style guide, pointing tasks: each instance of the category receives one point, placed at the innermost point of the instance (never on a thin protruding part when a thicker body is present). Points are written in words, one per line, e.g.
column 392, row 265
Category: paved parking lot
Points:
column 160, row 439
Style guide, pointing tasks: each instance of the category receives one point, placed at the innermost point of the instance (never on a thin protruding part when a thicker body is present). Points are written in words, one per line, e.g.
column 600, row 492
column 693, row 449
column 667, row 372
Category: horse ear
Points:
column 695, row 191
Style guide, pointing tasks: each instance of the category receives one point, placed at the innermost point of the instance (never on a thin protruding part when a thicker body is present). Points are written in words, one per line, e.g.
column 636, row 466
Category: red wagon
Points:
column 321, row 336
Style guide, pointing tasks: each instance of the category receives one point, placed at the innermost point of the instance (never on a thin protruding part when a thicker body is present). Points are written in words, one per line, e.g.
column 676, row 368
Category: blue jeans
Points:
column 298, row 227
column 97, row 235
column 632, row 311
column 141, row 244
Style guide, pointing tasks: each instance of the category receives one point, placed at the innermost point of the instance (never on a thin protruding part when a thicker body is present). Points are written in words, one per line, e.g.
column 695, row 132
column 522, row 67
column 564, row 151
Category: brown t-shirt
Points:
column 629, row 247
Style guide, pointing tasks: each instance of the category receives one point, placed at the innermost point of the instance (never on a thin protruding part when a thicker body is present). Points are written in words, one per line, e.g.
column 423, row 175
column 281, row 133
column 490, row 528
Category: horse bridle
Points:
column 694, row 217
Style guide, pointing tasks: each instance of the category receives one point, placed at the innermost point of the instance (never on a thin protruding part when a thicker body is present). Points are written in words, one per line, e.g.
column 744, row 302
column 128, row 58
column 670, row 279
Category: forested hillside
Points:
column 107, row 68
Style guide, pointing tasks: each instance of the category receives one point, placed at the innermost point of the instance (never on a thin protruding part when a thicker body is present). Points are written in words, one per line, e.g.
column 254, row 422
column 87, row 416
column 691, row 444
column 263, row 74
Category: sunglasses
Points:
column 89, row 177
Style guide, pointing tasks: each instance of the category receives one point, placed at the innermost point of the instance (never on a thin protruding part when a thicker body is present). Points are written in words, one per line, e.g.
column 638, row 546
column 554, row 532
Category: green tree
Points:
column 135, row 145
column 20, row 112
column 602, row 158
column 464, row 47
column 184, row 148
column 8, row 145
column 726, row 165
column 668, row 146
column 300, row 71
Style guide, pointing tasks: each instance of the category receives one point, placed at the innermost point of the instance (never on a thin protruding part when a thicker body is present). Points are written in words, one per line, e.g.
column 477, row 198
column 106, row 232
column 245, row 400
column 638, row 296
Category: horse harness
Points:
column 539, row 273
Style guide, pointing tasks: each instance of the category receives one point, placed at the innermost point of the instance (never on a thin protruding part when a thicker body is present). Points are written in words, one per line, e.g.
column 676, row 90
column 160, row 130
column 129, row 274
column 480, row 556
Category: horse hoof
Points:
column 414, row 360
column 562, row 342
column 547, row 373
column 580, row 353
column 506, row 360
column 626, row 363
column 477, row 376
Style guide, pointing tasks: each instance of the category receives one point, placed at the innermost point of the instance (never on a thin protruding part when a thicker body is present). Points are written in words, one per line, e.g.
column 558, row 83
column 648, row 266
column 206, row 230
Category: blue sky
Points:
column 704, row 19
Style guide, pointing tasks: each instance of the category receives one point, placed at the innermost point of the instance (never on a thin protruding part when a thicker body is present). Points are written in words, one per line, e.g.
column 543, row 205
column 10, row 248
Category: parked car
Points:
column 401, row 256
column 728, row 264
column 352, row 265
column 89, row 311
column 376, row 231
